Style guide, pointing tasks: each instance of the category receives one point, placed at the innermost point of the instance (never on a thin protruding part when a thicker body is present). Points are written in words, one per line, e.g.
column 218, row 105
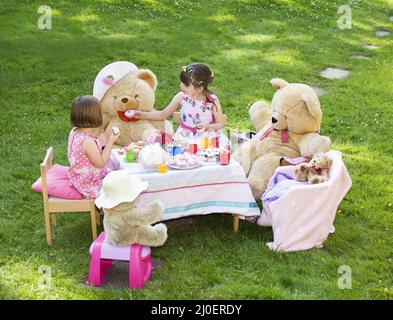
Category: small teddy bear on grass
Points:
column 316, row 171
column 124, row 223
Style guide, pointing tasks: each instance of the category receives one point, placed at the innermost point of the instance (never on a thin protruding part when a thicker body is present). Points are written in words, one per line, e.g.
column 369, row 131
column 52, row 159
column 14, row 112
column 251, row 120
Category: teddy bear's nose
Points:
column 124, row 100
column 274, row 120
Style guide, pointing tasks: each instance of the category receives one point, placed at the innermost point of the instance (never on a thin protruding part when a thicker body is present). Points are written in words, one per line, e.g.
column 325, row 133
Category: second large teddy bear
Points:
column 122, row 88
column 288, row 128
column 125, row 224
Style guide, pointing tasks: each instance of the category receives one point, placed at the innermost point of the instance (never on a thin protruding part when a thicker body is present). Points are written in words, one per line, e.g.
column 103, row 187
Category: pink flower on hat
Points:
column 108, row 80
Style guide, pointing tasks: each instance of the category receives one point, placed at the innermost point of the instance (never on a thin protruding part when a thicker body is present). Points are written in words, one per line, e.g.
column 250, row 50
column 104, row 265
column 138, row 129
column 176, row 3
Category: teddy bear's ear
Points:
column 278, row 83
column 313, row 105
column 149, row 77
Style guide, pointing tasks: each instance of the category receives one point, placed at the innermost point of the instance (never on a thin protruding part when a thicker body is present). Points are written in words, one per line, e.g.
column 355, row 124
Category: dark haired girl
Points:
column 200, row 109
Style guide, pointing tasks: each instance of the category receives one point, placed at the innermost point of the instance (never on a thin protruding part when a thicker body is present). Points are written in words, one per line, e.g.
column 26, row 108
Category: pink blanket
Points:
column 303, row 216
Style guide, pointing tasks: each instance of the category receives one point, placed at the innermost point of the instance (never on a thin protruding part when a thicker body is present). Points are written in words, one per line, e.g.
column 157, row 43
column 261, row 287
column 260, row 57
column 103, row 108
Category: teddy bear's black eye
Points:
column 114, row 97
column 136, row 96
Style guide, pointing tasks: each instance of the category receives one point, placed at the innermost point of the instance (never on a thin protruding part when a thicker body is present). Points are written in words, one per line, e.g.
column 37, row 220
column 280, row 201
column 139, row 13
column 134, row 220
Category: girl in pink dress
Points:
column 201, row 114
column 86, row 157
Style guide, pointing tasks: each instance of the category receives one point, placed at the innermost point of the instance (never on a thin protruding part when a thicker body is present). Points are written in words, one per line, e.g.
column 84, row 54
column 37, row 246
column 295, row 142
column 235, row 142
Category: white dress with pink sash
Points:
column 196, row 112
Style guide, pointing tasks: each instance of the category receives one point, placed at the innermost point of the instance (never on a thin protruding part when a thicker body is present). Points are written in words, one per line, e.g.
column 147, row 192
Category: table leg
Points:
column 235, row 223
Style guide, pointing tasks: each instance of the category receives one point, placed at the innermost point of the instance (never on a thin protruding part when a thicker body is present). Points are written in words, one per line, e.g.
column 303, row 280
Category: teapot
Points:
column 151, row 155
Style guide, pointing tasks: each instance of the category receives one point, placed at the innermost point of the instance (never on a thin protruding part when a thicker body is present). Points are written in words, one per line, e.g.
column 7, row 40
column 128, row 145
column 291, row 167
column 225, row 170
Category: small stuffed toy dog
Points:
column 124, row 223
column 316, row 171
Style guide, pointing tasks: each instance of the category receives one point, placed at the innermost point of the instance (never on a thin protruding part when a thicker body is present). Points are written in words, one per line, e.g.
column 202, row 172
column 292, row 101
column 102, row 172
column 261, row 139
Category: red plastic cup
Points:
column 163, row 138
column 193, row 148
column 225, row 157
column 214, row 142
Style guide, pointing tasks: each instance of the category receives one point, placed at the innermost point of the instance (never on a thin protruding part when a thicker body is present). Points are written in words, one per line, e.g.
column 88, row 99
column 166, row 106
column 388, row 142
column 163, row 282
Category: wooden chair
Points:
column 176, row 119
column 53, row 205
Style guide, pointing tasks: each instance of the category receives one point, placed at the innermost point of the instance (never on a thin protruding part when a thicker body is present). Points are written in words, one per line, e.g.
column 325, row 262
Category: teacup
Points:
column 225, row 157
column 193, row 148
column 130, row 156
column 205, row 142
column 175, row 150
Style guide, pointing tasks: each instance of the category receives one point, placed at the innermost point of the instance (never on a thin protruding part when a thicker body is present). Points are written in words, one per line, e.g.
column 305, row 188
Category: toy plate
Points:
column 185, row 168
column 126, row 160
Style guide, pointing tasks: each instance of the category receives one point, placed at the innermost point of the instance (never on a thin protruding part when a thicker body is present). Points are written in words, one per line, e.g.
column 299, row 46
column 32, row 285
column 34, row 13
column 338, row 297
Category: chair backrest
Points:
column 45, row 166
column 176, row 117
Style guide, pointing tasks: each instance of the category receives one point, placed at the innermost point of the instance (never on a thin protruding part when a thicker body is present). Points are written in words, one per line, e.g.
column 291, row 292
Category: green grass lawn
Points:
column 246, row 43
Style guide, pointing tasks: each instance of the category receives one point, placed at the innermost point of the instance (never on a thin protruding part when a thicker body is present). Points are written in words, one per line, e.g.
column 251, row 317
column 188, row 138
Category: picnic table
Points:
column 210, row 188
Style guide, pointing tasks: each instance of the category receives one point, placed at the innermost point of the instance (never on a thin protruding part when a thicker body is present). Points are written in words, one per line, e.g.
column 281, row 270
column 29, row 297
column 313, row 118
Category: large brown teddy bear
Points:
column 122, row 88
column 288, row 128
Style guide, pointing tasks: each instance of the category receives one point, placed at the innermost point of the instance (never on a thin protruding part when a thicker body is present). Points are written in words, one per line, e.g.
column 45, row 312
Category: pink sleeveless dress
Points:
column 84, row 176
column 196, row 112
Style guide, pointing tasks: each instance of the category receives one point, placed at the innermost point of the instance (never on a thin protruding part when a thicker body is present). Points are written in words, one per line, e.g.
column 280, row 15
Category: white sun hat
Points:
column 118, row 187
column 110, row 74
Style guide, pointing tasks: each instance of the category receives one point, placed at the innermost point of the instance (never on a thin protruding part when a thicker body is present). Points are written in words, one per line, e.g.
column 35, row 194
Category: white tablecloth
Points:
column 211, row 188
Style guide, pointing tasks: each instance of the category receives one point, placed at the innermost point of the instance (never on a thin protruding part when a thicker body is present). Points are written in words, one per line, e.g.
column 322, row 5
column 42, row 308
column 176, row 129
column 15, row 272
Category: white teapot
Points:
column 151, row 155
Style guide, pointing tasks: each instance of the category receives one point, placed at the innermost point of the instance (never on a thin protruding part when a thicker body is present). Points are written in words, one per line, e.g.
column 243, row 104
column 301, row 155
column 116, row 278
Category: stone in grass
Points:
column 319, row 91
column 391, row 18
column 360, row 57
column 334, row 73
column 371, row 46
column 382, row 33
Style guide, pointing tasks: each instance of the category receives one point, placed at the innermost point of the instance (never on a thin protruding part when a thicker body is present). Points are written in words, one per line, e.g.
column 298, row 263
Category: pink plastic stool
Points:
column 102, row 253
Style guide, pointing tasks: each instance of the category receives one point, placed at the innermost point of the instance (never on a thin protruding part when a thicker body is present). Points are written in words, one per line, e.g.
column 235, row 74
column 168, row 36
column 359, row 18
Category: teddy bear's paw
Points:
column 244, row 155
column 315, row 180
column 257, row 106
column 156, row 206
column 325, row 144
column 161, row 233
column 324, row 178
column 303, row 167
column 260, row 115
column 257, row 193
column 161, row 228
column 153, row 236
column 257, row 187
column 320, row 145
column 300, row 175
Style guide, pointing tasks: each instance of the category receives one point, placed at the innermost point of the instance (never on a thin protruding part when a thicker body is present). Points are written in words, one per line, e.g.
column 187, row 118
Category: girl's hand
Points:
column 103, row 138
column 139, row 114
column 202, row 126
column 113, row 137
